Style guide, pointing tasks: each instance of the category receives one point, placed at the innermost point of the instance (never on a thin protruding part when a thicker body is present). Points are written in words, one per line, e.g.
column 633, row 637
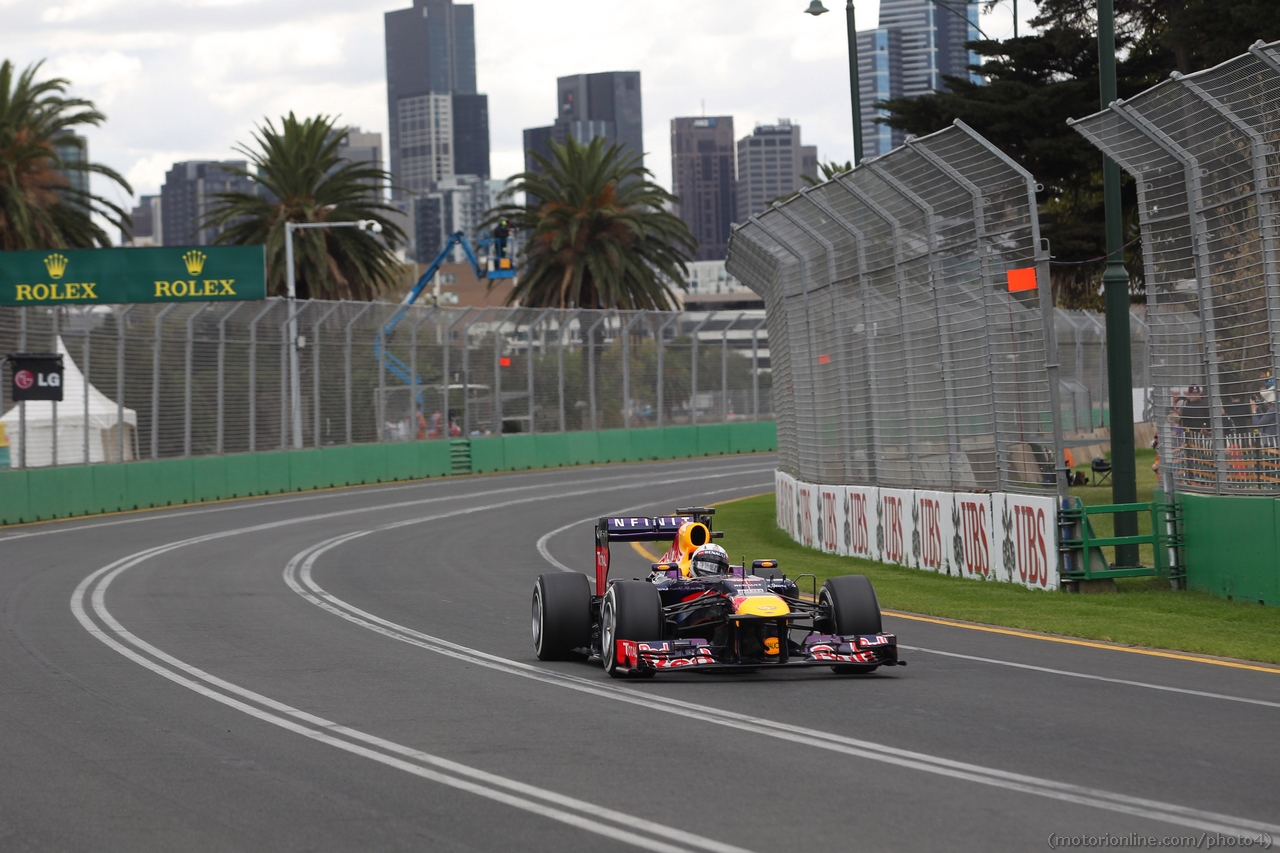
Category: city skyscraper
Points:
column 770, row 163
column 189, row 191
column 607, row 104
column 73, row 148
column 916, row 44
column 147, row 229
column 703, row 178
column 431, row 81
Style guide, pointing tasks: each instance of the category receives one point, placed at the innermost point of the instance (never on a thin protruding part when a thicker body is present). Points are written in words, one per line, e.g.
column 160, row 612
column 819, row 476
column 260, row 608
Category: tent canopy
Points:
column 103, row 411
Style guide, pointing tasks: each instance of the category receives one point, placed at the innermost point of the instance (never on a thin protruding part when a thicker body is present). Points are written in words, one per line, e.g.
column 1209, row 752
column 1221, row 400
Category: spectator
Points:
column 1264, row 413
column 1195, row 414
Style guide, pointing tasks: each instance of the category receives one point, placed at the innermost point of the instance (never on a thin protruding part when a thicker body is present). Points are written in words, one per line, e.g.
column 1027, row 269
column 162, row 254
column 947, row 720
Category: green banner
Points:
column 111, row 276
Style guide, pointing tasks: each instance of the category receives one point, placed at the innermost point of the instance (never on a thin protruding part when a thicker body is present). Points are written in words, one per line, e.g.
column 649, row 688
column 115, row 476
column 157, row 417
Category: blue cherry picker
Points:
column 497, row 265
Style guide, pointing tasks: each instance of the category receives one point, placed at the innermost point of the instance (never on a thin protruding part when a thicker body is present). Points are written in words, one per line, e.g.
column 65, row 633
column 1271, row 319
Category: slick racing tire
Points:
column 632, row 610
column 561, row 616
column 854, row 609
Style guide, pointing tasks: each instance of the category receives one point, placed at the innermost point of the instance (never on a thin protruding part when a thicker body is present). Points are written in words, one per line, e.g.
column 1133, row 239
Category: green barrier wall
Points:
column 40, row 494
column 1233, row 546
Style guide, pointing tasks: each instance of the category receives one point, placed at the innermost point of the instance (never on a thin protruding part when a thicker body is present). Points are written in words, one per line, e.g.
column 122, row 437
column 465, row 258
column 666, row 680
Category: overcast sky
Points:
column 189, row 79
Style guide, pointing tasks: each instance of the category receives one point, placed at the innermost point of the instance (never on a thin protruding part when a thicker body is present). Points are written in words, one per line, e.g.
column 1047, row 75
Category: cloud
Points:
column 190, row 79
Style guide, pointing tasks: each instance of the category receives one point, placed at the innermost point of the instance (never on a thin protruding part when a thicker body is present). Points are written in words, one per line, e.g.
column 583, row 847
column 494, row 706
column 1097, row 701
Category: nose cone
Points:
column 761, row 605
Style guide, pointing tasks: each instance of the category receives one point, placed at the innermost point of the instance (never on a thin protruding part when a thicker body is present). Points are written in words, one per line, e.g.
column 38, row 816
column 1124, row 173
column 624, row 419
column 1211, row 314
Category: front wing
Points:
column 815, row 650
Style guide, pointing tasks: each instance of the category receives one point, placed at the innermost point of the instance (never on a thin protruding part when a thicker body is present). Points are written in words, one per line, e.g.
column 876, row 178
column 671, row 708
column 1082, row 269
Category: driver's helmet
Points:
column 708, row 560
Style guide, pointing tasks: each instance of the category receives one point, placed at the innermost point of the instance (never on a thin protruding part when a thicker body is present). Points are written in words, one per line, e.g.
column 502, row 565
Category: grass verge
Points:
column 1143, row 613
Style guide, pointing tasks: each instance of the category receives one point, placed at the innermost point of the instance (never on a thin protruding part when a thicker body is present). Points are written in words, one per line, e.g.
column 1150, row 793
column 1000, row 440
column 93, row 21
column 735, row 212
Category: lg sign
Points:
column 36, row 377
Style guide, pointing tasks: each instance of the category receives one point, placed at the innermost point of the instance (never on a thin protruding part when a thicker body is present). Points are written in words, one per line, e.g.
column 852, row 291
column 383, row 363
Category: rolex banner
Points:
column 995, row 537
column 112, row 276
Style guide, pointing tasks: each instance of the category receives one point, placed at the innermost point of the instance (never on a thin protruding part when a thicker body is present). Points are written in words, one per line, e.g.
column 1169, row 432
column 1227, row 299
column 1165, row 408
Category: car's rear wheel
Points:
column 852, row 608
column 632, row 610
column 561, row 615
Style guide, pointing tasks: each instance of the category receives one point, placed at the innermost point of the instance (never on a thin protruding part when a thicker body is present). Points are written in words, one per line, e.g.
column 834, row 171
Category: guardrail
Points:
column 1082, row 556
column 41, row 494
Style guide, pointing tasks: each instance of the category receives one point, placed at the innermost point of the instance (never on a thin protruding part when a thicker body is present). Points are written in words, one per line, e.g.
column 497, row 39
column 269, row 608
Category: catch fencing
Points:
column 904, row 353
column 1203, row 151
column 183, row 379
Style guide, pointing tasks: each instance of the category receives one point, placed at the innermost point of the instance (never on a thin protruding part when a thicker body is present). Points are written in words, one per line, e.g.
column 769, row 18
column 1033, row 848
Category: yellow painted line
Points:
column 646, row 553
column 1092, row 644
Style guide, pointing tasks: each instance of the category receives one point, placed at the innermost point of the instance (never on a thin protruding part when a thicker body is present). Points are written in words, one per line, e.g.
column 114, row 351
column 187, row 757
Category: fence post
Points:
column 84, row 360
column 186, row 391
column 662, row 377
column 252, row 375
column 693, row 368
column 155, row 380
column 539, row 321
column 564, row 328
column 413, row 371
column 497, row 373
column 22, row 407
column 1200, row 251
column 829, row 251
column 315, row 368
column 381, row 408
column 346, row 373
column 466, row 375
column 755, row 371
column 898, row 241
column 120, row 424
column 626, row 369
column 724, row 366
column 448, row 346
column 591, row 367
column 867, row 330
column 53, row 405
column 222, row 366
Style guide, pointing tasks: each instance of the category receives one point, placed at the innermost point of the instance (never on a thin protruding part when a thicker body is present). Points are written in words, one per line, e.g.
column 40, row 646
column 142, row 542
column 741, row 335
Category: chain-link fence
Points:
column 1203, row 150
column 903, row 354
column 184, row 379
column 1082, row 378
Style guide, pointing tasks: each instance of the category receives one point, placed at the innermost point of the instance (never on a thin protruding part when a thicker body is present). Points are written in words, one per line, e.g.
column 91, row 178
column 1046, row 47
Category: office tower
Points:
column 431, row 55
column 190, row 190
column 471, row 134
column 425, row 133
column 589, row 105
column 364, row 149
column 770, row 163
column 703, row 178
column 73, row 149
column 455, row 203
column 916, row 44
column 146, row 230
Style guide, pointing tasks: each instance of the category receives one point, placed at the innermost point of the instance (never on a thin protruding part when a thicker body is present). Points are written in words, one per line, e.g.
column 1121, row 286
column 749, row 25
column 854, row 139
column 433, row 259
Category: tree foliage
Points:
column 1034, row 83
column 39, row 209
column 303, row 178
column 596, row 231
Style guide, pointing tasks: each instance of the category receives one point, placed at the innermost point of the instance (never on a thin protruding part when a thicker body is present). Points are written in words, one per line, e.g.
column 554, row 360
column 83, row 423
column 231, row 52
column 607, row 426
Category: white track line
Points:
column 465, row 778
column 1070, row 674
column 298, row 576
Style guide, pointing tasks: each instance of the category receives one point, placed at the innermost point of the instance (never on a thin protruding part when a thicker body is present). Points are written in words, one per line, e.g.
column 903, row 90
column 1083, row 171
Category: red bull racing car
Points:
column 697, row 610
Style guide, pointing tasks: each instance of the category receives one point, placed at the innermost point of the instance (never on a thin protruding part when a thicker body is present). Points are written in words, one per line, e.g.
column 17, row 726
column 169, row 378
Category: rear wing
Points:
column 642, row 528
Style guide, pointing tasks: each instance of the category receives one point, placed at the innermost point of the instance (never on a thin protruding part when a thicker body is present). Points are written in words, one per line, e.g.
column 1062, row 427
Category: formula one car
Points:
column 698, row 611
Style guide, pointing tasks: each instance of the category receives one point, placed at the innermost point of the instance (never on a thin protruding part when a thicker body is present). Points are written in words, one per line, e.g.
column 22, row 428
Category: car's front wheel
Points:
column 852, row 609
column 632, row 610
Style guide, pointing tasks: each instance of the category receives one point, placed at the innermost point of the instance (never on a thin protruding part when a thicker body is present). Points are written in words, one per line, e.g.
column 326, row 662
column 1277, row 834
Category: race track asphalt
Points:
column 353, row 670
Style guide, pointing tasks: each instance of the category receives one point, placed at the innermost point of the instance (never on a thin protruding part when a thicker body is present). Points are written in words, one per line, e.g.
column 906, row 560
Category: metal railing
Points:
column 1202, row 150
column 191, row 379
column 902, row 356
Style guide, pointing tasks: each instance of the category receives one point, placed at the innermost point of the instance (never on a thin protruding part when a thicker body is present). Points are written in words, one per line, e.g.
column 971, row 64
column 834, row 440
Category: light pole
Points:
column 1115, row 285
column 291, row 285
column 816, row 8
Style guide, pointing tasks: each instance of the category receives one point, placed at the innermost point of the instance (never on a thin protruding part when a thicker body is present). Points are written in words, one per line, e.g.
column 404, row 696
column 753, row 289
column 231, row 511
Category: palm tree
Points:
column 597, row 235
column 39, row 207
column 303, row 178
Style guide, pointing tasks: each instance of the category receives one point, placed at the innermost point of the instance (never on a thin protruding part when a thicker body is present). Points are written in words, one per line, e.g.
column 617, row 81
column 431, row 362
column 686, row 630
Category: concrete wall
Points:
column 39, row 494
